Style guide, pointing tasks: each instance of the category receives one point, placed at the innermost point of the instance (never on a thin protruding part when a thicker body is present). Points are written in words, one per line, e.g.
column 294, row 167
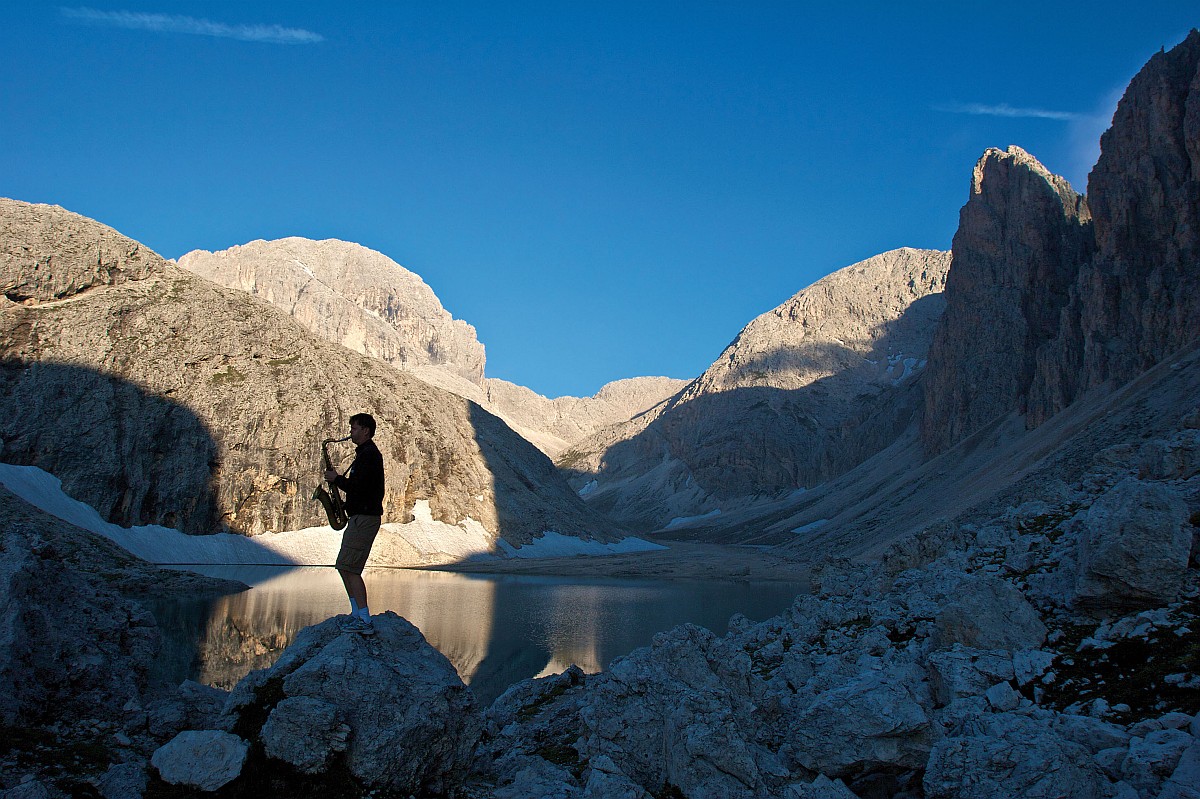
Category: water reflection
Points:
column 496, row 630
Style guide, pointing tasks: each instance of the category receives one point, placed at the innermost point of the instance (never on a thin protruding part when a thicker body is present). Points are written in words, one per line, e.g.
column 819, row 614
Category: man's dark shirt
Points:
column 363, row 481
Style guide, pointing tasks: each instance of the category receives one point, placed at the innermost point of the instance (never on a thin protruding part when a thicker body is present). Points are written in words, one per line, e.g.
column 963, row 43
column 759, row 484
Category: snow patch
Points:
column 589, row 488
column 811, row 526
column 557, row 545
column 424, row 541
column 680, row 521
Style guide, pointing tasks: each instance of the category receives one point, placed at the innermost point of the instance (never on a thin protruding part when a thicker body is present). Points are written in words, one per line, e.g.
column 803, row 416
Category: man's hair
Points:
column 364, row 420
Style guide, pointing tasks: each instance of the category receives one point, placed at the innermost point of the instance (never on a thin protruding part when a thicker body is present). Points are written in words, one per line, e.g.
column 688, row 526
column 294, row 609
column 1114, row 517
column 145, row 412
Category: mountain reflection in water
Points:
column 496, row 630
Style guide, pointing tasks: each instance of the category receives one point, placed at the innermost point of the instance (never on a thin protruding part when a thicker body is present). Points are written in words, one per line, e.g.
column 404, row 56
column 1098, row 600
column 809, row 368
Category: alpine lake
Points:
column 496, row 629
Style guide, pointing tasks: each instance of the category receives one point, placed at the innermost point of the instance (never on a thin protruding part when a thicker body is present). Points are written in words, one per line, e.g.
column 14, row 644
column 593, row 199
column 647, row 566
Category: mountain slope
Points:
column 806, row 391
column 1069, row 336
column 159, row 397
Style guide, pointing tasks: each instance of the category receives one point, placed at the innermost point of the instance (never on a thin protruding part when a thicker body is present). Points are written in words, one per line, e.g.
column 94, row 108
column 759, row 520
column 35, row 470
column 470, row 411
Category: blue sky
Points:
column 604, row 190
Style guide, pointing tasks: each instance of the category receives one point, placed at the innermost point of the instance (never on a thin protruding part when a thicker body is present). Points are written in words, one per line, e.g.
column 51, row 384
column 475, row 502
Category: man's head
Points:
column 362, row 427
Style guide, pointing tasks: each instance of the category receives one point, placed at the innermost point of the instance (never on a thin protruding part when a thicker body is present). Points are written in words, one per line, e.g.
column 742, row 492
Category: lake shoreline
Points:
column 681, row 560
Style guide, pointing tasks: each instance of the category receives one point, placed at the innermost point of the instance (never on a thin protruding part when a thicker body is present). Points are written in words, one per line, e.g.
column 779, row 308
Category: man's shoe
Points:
column 354, row 624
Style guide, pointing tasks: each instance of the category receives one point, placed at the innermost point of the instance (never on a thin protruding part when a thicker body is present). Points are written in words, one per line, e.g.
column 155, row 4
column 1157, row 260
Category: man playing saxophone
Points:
column 363, row 484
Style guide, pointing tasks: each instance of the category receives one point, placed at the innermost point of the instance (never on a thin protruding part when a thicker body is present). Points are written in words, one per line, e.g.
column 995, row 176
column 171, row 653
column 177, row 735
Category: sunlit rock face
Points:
column 178, row 402
column 804, row 392
column 350, row 295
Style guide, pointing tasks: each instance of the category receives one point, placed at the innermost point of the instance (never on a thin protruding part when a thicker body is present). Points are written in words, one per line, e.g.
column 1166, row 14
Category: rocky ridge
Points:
column 351, row 295
column 182, row 403
column 363, row 300
column 804, row 392
column 1090, row 294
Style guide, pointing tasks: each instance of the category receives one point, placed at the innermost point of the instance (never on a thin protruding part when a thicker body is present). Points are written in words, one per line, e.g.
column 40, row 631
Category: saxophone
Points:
column 331, row 499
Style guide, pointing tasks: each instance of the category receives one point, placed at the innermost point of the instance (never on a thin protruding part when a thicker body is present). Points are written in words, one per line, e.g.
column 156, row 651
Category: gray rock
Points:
column 1007, row 756
column 204, row 759
column 820, row 788
column 1031, row 664
column 678, row 712
column 1093, row 734
column 1134, row 547
column 1002, row 697
column 1153, row 759
column 124, row 781
column 962, row 672
column 1185, row 779
column 305, row 732
column 33, row 789
column 1177, row 458
column 72, row 648
column 607, row 781
column 539, row 780
column 413, row 724
column 875, row 720
column 989, row 613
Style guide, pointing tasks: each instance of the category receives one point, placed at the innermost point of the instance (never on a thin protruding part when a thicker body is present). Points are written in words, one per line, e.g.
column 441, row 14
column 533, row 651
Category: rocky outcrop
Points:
column 1022, row 237
column 1139, row 300
column 181, row 403
column 388, row 710
column 1049, row 296
column 351, row 295
column 805, row 392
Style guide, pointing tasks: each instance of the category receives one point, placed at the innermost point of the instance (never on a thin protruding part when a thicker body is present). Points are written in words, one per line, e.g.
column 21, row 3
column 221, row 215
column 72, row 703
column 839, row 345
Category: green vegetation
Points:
column 230, row 375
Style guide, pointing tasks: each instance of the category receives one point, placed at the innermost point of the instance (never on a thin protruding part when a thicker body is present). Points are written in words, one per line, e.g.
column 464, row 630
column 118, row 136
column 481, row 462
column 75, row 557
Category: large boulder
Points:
column 392, row 702
column 204, row 759
column 1134, row 547
column 678, row 713
column 989, row 613
column 878, row 720
column 1002, row 755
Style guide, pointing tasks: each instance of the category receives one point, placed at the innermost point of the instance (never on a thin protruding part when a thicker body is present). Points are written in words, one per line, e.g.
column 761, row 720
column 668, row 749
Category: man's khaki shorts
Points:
column 357, row 539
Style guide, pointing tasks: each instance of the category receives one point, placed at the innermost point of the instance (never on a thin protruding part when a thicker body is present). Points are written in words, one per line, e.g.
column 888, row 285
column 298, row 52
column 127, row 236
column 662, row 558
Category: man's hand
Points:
column 331, row 475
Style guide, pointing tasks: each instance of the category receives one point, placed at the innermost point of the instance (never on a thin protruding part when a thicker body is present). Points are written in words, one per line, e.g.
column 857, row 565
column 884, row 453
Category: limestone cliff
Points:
column 351, row 295
column 160, row 397
column 805, row 391
column 1050, row 296
column 1021, row 239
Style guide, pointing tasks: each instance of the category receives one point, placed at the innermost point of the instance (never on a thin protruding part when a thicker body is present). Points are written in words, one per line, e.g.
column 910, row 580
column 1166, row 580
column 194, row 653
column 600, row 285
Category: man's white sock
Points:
column 353, row 607
column 363, row 614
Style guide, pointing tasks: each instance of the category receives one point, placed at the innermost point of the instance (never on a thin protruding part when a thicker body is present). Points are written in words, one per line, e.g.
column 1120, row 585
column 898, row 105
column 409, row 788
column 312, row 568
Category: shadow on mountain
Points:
column 530, row 494
column 135, row 457
column 757, row 442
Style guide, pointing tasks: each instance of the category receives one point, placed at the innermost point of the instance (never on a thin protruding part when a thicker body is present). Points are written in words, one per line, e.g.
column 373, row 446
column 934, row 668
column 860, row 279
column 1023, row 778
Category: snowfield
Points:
column 421, row 542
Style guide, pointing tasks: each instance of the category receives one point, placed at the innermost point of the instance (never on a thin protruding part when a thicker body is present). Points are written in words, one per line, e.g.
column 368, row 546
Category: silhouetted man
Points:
column 363, row 484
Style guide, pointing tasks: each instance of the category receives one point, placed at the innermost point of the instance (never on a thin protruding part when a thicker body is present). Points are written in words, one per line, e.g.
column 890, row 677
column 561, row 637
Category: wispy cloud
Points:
column 1005, row 110
column 176, row 23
